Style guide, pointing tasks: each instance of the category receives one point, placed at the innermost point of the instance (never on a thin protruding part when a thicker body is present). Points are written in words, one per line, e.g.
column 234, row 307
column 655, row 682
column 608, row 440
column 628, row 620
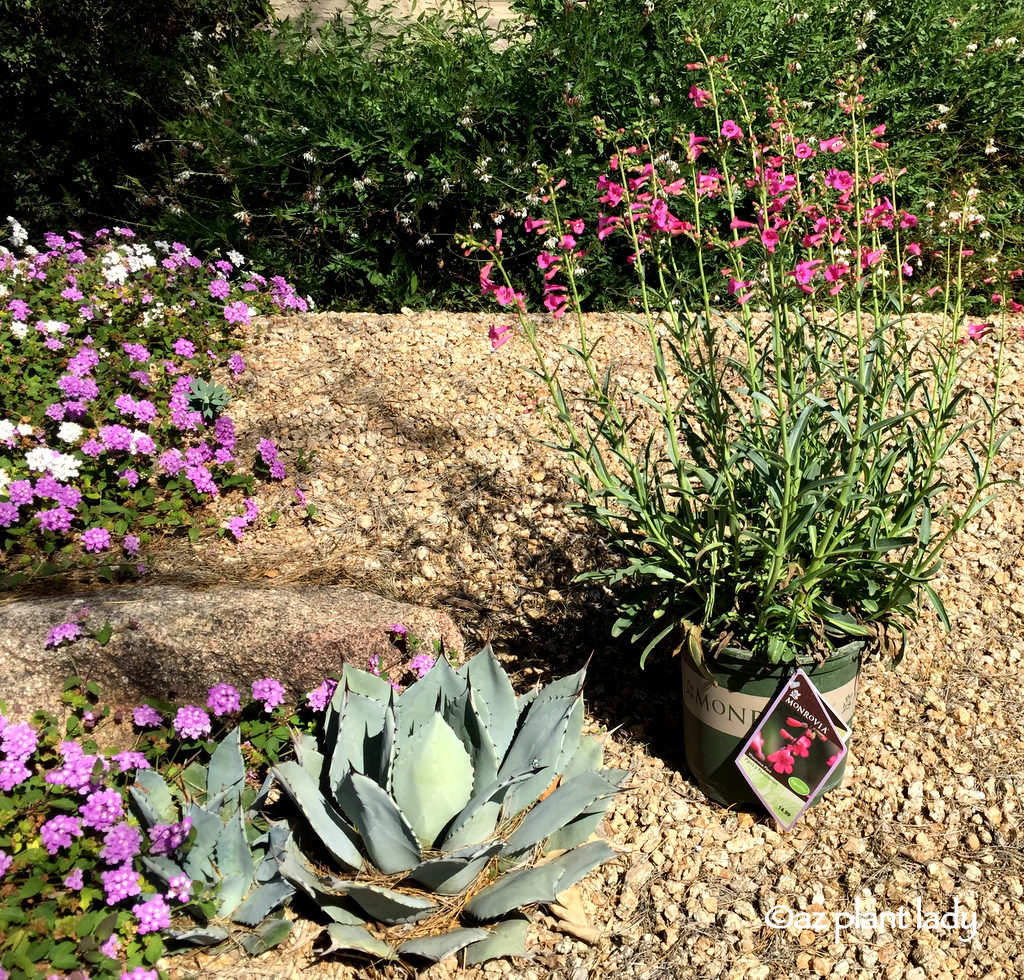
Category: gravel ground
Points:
column 430, row 489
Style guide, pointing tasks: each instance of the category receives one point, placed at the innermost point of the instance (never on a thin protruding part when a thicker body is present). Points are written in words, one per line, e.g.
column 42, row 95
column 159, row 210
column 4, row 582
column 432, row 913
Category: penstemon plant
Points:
column 782, row 485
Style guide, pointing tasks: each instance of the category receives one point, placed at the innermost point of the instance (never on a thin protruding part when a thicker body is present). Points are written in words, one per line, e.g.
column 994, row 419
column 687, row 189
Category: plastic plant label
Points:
column 795, row 746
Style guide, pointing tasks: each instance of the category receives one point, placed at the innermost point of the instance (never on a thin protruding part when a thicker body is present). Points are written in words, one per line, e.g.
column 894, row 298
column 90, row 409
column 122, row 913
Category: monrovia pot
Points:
column 718, row 718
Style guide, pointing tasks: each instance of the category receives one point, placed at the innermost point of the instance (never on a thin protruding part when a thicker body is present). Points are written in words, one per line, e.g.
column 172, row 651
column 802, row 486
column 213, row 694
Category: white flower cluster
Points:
column 19, row 328
column 59, row 465
column 18, row 234
column 69, row 432
column 5, row 478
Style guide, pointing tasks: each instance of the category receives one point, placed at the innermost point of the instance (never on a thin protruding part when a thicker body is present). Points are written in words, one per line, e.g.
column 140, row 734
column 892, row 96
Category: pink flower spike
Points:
column 833, row 145
column 497, row 239
column 731, row 131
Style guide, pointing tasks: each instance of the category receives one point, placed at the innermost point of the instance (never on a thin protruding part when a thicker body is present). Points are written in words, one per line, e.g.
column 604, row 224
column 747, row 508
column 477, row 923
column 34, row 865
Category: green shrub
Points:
column 82, row 83
column 352, row 159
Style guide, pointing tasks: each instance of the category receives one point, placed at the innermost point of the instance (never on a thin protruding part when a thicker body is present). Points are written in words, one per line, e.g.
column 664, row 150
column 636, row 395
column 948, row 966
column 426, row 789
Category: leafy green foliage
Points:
column 82, row 83
column 346, row 165
column 452, row 785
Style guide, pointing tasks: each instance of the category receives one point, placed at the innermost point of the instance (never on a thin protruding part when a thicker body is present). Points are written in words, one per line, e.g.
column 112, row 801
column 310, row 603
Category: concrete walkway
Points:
column 497, row 10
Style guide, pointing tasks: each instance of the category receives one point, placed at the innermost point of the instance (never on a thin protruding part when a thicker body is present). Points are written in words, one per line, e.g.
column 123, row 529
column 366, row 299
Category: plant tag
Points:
column 796, row 745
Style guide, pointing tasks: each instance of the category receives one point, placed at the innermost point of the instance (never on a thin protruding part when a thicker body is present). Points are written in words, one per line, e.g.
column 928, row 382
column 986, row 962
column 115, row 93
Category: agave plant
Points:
column 444, row 810
column 233, row 854
column 208, row 398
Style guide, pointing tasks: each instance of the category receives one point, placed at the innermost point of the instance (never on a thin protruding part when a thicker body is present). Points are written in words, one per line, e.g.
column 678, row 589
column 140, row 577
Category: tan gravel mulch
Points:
column 413, row 440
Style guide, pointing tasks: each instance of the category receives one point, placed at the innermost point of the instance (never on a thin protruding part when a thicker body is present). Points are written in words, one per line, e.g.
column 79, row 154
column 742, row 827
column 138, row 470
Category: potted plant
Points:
column 777, row 496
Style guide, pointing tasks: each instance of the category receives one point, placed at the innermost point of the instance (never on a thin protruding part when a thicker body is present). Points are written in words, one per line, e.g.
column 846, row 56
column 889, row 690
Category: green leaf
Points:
column 432, row 778
column 566, row 803
column 538, row 884
column 386, row 905
column 226, row 773
column 103, row 634
column 437, row 948
column 261, row 901
column 152, row 797
column 453, row 873
column 356, row 937
column 390, row 841
column 208, row 935
column 267, row 935
column 507, row 938
column 492, row 696
column 336, row 835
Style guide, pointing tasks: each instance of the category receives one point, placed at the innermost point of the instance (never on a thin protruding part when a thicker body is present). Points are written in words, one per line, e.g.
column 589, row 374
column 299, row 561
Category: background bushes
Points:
column 82, row 82
column 351, row 158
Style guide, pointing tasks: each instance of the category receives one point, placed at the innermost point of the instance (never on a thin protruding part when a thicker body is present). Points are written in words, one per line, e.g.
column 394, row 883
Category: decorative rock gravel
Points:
column 430, row 490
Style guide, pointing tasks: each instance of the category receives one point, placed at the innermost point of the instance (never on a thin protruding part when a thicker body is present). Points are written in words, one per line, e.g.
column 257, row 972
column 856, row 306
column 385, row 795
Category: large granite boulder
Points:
column 174, row 643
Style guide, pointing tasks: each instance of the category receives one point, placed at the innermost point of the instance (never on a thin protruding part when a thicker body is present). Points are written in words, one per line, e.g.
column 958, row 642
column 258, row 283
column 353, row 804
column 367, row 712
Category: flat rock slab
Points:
column 173, row 643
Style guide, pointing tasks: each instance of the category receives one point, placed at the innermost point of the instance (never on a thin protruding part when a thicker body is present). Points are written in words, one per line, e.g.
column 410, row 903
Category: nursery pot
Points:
column 719, row 718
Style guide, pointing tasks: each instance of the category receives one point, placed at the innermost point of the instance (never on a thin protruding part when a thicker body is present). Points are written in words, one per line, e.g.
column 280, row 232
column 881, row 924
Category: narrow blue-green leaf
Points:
column 506, row 938
column 153, row 798
column 226, row 773
column 415, row 705
column 454, row 873
column 266, row 936
column 358, row 744
column 233, row 857
column 437, row 948
column 480, row 817
column 292, row 865
column 261, row 901
column 356, row 937
column 230, row 892
column 386, row 834
column 538, row 884
column 492, row 695
column 207, row 828
column 566, row 803
column 336, row 835
column 208, row 935
column 386, row 905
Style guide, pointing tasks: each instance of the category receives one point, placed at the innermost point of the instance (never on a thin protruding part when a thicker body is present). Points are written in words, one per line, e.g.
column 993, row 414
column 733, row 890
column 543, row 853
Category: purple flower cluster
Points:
column 58, row 832
column 237, row 524
column 146, row 716
column 17, row 742
column 320, row 697
column 167, row 838
column 102, row 809
column 191, row 722
column 120, row 883
column 154, row 915
column 76, row 769
column 421, row 664
column 121, row 843
column 223, row 700
column 269, row 691
column 268, row 453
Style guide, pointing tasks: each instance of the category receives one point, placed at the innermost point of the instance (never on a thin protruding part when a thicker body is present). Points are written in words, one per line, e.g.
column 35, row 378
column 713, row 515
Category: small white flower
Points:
column 69, row 432
column 410, row 176
column 4, row 480
column 6, row 430
column 990, row 147
column 424, row 241
column 236, row 258
column 19, row 328
column 869, row 15
column 39, row 459
column 941, row 126
column 943, row 109
column 309, row 156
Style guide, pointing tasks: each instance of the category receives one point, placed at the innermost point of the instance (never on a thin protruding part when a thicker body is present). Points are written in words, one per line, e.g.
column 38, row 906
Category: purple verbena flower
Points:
column 129, row 760
column 130, row 544
column 223, row 700
column 121, row 843
column 58, row 831
column 111, row 947
column 62, row 632
column 183, row 347
column 421, row 664
column 96, row 539
column 121, row 883
column 179, row 888
column 235, row 363
column 146, row 716
column 74, row 881
column 320, row 697
column 13, row 772
column 191, row 722
column 154, row 915
column 167, row 838
column 5, row 862
column 102, row 809
column 269, row 691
